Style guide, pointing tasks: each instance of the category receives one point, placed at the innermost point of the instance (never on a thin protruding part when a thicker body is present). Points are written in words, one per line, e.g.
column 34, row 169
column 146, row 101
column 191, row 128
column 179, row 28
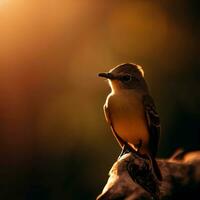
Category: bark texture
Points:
column 131, row 178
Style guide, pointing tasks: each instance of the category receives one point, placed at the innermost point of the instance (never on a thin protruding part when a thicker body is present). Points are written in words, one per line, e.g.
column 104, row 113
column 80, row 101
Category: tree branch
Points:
column 181, row 178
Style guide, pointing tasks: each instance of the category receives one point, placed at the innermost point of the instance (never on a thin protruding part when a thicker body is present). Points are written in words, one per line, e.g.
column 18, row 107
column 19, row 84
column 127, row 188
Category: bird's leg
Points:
column 128, row 148
column 125, row 149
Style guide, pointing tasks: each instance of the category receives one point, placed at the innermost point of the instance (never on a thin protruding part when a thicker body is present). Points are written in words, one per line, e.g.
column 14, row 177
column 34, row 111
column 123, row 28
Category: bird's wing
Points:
column 153, row 122
column 109, row 120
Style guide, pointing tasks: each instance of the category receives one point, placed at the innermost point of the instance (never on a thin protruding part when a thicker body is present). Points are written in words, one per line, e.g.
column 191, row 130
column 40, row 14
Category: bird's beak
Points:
column 106, row 75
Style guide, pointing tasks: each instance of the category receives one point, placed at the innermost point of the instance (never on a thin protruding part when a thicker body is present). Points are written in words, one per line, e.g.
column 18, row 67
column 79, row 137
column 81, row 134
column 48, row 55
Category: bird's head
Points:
column 126, row 76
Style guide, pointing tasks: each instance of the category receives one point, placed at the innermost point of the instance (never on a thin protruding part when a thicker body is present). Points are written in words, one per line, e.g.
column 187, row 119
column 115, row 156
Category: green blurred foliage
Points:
column 55, row 143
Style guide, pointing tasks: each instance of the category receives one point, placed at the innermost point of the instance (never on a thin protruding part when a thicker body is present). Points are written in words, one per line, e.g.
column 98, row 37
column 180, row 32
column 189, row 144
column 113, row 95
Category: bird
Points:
column 131, row 113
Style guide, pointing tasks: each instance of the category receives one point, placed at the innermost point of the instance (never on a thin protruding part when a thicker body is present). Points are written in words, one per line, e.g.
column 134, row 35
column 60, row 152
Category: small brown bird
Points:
column 131, row 113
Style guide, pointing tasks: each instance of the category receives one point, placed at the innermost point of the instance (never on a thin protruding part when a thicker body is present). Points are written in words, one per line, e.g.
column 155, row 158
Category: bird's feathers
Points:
column 153, row 122
column 108, row 119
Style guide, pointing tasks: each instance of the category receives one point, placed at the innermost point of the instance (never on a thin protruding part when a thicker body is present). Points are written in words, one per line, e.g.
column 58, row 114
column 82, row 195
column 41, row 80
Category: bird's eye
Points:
column 126, row 78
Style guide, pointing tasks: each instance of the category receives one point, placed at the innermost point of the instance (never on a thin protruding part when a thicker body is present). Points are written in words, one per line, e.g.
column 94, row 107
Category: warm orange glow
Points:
column 51, row 99
column 51, row 50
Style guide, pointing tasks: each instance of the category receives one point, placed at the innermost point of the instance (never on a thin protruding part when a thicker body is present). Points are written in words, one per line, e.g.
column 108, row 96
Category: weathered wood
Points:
column 181, row 179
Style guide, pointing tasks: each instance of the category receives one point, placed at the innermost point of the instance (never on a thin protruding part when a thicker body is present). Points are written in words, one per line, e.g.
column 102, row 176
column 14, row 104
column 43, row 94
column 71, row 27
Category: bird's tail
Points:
column 156, row 168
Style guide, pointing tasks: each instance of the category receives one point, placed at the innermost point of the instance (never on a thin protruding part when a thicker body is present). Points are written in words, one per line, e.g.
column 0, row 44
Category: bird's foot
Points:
column 125, row 149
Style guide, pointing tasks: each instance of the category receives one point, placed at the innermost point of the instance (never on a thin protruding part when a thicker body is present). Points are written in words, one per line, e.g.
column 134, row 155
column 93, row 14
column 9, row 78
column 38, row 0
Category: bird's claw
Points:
column 125, row 149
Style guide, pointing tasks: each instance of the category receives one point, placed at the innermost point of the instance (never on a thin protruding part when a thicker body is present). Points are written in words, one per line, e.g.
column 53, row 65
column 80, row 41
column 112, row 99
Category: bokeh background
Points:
column 54, row 141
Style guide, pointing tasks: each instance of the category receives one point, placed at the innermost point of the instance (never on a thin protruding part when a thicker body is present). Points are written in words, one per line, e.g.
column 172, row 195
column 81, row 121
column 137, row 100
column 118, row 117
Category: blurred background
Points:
column 54, row 141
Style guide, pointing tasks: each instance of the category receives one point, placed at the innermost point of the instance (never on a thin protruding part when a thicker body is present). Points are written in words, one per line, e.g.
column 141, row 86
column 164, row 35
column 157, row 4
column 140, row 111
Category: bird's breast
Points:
column 128, row 117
